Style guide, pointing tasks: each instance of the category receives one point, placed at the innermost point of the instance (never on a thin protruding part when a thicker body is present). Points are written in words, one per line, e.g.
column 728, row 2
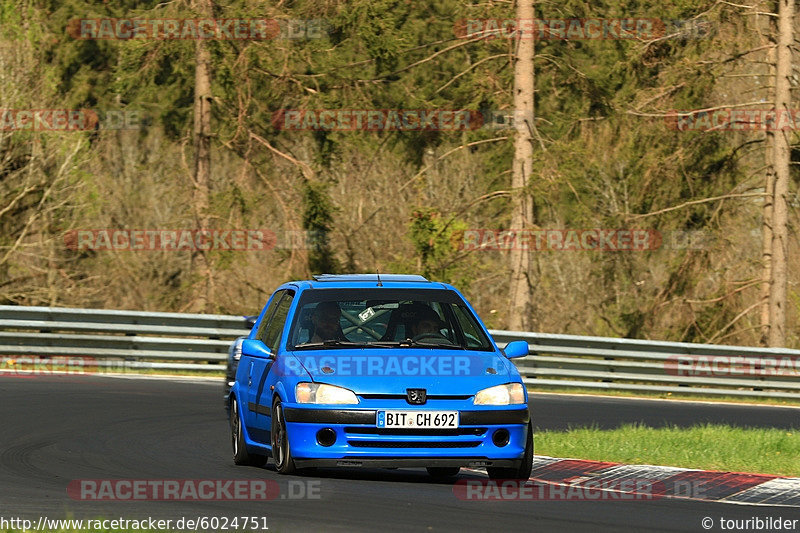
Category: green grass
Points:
column 687, row 396
column 707, row 447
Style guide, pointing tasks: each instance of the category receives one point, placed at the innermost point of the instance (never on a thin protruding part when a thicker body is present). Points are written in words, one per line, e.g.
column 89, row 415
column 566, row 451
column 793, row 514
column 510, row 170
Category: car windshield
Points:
column 374, row 318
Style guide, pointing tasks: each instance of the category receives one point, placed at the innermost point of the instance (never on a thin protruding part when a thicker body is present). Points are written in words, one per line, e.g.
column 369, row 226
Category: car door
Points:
column 249, row 364
column 258, row 390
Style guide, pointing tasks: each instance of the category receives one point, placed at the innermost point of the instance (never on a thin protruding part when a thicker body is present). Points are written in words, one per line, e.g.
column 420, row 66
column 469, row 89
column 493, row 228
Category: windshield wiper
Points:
column 411, row 342
column 448, row 345
column 332, row 343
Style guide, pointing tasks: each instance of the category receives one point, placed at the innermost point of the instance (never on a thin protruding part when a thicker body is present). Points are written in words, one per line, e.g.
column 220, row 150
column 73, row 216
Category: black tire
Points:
column 443, row 472
column 281, row 452
column 523, row 471
column 240, row 453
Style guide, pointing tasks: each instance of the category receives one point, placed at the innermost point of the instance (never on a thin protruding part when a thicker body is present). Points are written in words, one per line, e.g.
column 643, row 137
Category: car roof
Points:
column 365, row 281
column 410, row 278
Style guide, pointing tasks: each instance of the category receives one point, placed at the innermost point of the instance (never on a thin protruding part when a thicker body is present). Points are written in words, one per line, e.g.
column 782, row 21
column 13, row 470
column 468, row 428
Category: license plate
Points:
column 418, row 419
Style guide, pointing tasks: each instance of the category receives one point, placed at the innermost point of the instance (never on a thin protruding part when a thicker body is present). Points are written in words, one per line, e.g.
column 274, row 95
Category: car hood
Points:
column 392, row 371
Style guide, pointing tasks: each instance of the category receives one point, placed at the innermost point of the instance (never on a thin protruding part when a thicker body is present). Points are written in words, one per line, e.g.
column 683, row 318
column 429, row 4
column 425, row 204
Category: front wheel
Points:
column 523, row 471
column 284, row 463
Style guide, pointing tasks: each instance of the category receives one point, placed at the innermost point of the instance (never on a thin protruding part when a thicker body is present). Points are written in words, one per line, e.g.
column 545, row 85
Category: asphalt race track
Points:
column 56, row 429
column 557, row 411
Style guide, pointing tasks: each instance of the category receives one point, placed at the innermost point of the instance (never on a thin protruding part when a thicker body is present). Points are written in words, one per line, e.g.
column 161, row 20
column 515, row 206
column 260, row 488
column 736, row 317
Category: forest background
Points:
column 607, row 155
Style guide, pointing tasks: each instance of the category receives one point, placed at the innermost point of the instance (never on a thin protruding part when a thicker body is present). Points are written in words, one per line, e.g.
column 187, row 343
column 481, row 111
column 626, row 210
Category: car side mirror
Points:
column 516, row 349
column 256, row 348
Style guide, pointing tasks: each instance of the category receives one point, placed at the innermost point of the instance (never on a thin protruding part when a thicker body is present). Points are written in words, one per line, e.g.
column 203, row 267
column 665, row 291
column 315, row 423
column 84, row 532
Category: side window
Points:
column 471, row 334
column 262, row 328
column 278, row 321
column 445, row 329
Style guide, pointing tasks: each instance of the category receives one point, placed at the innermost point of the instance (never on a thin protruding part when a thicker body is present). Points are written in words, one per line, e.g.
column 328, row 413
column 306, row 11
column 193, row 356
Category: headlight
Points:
column 508, row 394
column 325, row 394
column 237, row 350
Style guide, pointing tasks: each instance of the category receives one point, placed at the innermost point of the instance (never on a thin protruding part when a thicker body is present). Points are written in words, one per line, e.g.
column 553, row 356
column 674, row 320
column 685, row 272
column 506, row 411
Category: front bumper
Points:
column 359, row 442
column 405, row 462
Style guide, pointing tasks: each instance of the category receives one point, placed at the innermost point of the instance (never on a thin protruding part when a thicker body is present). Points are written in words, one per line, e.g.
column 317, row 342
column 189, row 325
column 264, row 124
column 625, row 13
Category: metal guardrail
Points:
column 178, row 341
column 110, row 340
column 602, row 363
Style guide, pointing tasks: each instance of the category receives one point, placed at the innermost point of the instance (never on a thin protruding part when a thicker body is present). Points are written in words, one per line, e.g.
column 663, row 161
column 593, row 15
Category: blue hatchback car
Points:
column 378, row 371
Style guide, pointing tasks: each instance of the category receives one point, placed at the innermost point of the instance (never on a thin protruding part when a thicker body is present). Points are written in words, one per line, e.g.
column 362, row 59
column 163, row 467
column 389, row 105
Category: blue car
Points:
column 379, row 371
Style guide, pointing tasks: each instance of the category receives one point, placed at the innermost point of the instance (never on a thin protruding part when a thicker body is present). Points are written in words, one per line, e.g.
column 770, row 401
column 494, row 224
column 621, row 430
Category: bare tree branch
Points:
column 694, row 202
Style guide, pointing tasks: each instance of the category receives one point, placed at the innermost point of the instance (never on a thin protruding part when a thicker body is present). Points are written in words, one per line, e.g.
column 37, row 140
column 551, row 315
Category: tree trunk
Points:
column 201, row 268
column 766, row 242
column 521, row 308
column 769, row 190
column 782, row 156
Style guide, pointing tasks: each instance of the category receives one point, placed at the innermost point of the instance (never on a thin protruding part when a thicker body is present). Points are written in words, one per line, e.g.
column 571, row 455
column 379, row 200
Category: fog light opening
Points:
column 326, row 437
column 500, row 437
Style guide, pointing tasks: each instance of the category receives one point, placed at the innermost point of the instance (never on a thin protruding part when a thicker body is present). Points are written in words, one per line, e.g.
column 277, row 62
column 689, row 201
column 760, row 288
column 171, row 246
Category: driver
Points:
column 325, row 320
column 425, row 322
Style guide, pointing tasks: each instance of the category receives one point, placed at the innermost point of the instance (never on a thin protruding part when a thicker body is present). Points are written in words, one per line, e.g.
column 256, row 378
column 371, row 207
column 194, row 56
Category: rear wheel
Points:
column 240, row 453
column 443, row 472
column 523, row 471
column 284, row 463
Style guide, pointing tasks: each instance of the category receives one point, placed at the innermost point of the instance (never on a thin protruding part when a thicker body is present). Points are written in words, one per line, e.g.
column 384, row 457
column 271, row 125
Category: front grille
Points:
column 413, row 444
column 415, row 431
column 404, row 396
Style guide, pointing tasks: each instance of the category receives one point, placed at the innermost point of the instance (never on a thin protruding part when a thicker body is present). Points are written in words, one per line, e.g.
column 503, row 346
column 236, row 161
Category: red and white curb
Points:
column 667, row 481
